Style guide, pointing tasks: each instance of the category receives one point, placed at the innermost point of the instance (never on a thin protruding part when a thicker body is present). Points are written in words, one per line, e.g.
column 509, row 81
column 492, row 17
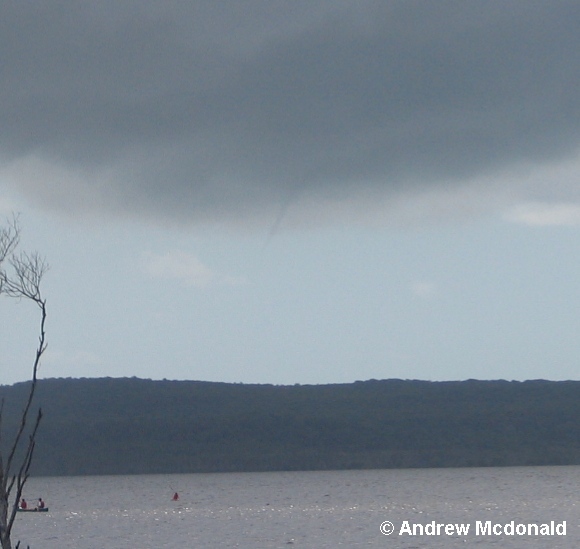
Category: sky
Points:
column 294, row 191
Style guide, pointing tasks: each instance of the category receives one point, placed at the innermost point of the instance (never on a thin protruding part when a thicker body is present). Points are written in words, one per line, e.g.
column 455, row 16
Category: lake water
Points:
column 308, row 510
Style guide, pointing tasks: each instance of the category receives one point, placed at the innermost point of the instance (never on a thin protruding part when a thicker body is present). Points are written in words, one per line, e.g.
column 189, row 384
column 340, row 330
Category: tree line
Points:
column 133, row 426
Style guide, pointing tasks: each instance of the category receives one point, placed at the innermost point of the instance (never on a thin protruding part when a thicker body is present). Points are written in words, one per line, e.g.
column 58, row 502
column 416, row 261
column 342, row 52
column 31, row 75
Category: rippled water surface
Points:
column 303, row 509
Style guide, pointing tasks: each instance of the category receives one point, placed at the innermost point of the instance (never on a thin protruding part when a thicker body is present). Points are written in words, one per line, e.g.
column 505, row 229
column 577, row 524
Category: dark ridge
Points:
column 133, row 426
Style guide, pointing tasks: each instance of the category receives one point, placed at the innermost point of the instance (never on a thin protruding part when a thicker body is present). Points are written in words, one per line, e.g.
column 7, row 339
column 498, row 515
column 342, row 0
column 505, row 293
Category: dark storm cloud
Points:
column 223, row 108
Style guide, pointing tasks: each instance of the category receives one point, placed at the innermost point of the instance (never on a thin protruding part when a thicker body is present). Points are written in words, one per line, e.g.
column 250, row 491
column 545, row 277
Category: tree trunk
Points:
column 22, row 281
column 4, row 535
column 6, row 544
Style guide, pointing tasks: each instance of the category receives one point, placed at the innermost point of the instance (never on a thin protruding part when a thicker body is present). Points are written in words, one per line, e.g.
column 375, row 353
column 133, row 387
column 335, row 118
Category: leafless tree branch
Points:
column 20, row 279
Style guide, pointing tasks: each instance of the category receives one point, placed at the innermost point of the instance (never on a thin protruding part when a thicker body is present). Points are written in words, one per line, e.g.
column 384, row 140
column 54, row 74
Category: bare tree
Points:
column 20, row 277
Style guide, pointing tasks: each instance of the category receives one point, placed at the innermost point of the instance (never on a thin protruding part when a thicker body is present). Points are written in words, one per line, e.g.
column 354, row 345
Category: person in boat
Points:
column 40, row 504
column 23, row 504
column 175, row 496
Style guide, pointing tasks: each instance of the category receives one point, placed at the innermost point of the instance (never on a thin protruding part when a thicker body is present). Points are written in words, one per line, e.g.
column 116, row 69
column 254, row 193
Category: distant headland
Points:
column 135, row 426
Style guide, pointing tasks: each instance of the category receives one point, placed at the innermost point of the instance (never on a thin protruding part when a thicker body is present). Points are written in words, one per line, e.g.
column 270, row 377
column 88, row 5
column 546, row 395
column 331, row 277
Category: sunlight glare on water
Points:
column 300, row 509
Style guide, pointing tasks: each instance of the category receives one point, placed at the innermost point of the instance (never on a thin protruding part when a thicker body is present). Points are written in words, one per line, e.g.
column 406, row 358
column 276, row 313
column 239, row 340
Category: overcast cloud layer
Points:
column 238, row 111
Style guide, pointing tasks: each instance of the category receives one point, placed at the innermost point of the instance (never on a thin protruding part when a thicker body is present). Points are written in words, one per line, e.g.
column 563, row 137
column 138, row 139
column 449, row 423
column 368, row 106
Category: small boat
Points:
column 33, row 510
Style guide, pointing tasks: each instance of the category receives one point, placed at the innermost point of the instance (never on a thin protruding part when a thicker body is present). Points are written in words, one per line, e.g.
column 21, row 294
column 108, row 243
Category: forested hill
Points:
column 122, row 426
